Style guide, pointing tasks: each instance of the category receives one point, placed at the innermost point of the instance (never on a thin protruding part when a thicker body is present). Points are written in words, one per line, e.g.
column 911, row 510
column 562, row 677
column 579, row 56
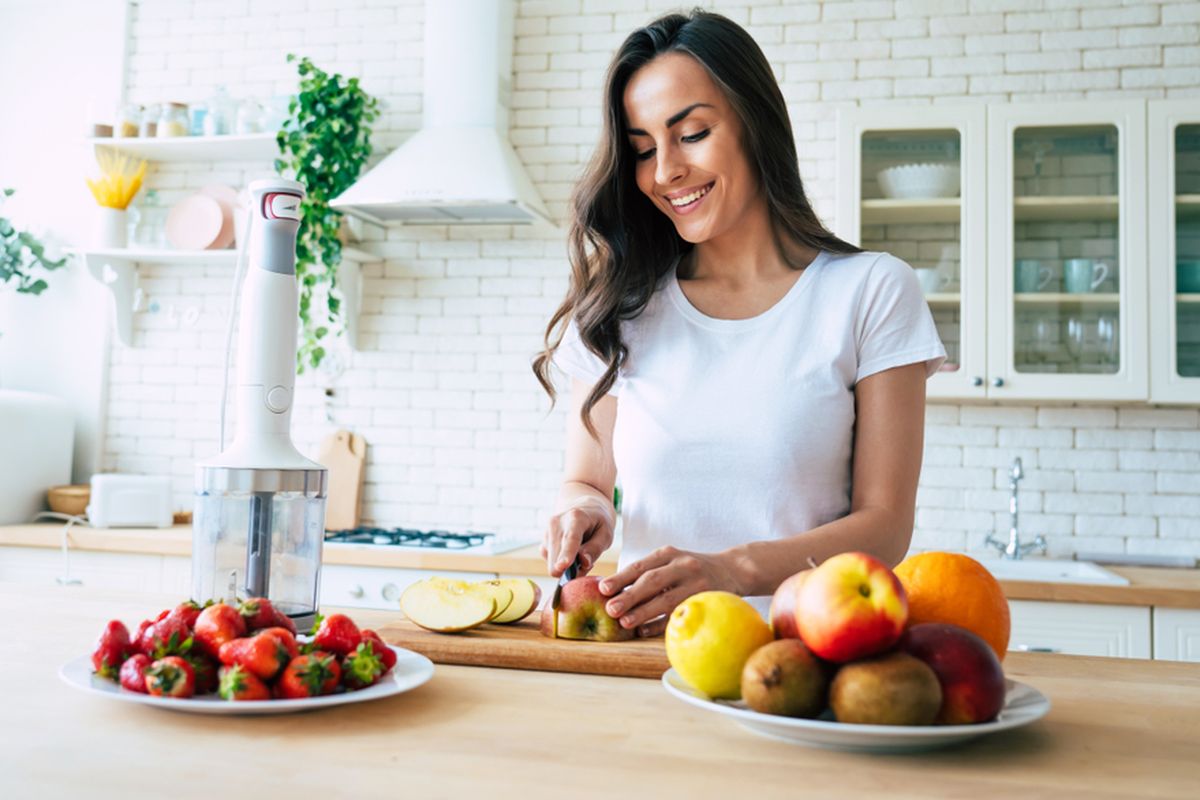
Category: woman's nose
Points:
column 669, row 167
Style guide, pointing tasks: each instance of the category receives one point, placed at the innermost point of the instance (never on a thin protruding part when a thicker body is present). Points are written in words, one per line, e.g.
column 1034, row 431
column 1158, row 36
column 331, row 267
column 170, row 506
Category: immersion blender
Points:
column 260, row 505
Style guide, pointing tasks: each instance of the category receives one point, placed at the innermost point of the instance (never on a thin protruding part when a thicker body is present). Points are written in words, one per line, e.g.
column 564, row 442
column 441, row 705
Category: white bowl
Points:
column 919, row 181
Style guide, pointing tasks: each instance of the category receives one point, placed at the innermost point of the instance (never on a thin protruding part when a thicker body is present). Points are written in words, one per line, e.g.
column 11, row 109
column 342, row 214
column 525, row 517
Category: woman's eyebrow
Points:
column 677, row 117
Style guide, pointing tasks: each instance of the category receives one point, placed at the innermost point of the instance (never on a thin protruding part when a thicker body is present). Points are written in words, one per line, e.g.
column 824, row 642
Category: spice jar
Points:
column 173, row 120
column 129, row 118
column 150, row 120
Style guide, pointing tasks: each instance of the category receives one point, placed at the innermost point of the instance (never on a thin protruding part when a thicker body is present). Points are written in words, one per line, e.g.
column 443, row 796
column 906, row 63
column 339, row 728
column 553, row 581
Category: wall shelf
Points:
column 1057, row 298
column 1066, row 209
column 248, row 147
column 116, row 269
column 889, row 212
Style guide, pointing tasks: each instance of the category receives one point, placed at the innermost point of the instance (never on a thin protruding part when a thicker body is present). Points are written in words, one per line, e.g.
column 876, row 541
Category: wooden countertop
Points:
column 1149, row 586
column 1118, row 728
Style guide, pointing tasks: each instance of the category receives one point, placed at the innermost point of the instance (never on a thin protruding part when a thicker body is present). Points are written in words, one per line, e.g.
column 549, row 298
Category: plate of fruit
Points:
column 243, row 658
column 857, row 657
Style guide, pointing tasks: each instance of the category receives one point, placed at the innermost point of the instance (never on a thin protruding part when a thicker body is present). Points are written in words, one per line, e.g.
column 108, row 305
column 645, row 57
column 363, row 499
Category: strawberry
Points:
column 111, row 650
column 381, row 649
column 309, row 675
column 363, row 667
column 238, row 684
column 168, row 636
column 338, row 634
column 132, row 672
column 216, row 625
column 170, row 677
column 263, row 654
column 205, row 670
column 285, row 636
column 187, row 611
column 260, row 613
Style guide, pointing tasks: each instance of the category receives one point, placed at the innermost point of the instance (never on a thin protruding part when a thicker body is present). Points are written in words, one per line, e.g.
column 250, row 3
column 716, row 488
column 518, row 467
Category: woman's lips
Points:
column 688, row 203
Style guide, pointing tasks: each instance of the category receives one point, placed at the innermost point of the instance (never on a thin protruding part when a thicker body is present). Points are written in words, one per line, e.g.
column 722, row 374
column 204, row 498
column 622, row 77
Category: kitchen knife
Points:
column 568, row 574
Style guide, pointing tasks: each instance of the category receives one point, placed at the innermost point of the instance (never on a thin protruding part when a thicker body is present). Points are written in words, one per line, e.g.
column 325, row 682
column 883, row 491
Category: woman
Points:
column 758, row 383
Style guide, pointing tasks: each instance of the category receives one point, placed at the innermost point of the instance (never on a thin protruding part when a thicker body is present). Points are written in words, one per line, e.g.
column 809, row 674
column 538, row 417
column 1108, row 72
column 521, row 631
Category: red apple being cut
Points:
column 783, row 606
column 581, row 614
column 852, row 606
column 972, row 679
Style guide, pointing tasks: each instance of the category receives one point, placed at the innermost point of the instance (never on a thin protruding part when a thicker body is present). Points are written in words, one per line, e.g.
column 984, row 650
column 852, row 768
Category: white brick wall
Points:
column 459, row 432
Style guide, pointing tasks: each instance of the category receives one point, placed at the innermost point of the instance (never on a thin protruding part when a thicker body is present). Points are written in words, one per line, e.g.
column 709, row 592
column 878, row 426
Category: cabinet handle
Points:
column 977, row 381
column 1029, row 648
column 390, row 592
column 357, row 592
column 997, row 382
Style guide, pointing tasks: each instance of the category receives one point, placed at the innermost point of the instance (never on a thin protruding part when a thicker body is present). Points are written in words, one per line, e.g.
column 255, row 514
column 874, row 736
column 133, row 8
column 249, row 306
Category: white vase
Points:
column 111, row 228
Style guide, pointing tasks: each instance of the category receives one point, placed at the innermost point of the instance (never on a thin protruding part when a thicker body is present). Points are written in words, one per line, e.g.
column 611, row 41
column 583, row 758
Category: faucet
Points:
column 1013, row 548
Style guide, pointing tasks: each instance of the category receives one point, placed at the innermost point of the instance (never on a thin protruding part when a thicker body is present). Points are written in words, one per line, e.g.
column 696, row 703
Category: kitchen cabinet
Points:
column 116, row 269
column 1177, row 634
column 129, row 571
column 1174, row 247
column 1082, row 629
column 1036, row 271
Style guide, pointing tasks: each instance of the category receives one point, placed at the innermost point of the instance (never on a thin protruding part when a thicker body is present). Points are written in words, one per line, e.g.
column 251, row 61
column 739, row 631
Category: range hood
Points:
column 460, row 167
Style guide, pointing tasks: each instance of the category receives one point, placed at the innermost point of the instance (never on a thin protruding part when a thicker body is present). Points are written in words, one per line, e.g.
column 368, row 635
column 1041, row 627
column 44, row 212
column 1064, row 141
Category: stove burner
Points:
column 410, row 537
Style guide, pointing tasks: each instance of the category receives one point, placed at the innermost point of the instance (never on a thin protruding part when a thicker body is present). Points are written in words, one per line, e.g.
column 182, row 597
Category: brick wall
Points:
column 440, row 386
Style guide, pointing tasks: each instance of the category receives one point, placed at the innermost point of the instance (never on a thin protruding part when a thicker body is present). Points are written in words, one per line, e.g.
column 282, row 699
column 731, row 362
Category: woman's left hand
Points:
column 644, row 594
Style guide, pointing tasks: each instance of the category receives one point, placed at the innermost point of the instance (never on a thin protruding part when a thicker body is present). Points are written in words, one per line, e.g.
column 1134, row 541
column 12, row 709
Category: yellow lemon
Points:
column 709, row 638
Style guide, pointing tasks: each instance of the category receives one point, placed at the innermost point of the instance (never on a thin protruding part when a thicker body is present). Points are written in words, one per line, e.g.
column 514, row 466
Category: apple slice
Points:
column 439, row 606
column 526, row 595
column 498, row 592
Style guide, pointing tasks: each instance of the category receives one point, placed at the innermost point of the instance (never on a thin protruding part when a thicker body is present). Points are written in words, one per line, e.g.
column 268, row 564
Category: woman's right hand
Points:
column 584, row 530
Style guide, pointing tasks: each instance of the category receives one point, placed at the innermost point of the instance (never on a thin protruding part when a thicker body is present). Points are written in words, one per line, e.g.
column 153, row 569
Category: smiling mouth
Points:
column 691, row 198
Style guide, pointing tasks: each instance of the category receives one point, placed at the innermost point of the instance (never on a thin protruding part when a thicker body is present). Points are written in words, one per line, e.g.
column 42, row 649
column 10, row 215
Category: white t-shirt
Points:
column 732, row 431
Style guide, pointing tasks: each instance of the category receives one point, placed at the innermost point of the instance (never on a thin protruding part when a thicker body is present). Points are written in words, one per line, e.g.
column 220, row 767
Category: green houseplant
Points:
column 324, row 144
column 22, row 257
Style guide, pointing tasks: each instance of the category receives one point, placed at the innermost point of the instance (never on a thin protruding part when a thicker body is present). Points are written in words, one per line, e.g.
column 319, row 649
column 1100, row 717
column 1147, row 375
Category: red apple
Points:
column 581, row 614
column 972, row 679
column 852, row 606
column 783, row 606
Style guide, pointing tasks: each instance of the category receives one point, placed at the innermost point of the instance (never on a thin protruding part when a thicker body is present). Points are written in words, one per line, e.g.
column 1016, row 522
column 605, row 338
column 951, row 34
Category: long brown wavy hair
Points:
column 619, row 244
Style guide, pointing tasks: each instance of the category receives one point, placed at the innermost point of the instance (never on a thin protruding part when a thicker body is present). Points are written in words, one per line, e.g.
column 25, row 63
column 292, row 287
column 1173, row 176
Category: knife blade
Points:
column 568, row 574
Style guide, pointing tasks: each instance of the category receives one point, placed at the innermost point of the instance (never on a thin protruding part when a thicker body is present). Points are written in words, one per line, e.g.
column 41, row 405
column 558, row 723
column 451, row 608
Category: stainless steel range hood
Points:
column 460, row 167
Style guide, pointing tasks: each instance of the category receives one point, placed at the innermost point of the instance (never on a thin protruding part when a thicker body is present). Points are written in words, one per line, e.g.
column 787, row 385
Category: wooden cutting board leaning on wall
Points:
column 344, row 454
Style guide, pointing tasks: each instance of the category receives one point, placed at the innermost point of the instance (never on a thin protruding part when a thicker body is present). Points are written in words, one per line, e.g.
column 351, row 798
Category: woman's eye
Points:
column 695, row 137
column 645, row 154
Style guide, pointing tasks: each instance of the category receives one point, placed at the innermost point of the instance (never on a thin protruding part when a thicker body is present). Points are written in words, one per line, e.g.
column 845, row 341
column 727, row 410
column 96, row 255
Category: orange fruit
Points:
column 956, row 589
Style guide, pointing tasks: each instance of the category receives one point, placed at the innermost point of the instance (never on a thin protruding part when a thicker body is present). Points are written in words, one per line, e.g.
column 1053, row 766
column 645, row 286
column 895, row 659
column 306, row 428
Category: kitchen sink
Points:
column 1053, row 571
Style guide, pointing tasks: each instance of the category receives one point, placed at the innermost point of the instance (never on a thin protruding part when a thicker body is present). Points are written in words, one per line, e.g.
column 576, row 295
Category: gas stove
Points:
column 474, row 542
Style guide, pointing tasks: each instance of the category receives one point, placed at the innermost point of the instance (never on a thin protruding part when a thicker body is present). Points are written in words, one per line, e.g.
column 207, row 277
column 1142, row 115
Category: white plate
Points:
column 411, row 670
column 1022, row 705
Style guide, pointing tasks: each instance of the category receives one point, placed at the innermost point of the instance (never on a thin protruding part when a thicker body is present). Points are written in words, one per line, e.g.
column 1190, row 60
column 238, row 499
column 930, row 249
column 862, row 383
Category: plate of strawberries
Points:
column 243, row 657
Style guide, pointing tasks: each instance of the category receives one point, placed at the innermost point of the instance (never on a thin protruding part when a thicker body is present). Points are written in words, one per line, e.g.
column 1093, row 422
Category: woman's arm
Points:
column 584, row 517
column 889, row 435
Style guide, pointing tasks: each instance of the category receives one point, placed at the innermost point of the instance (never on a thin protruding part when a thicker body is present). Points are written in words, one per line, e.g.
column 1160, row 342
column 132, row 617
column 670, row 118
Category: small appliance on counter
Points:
column 259, row 515
column 130, row 501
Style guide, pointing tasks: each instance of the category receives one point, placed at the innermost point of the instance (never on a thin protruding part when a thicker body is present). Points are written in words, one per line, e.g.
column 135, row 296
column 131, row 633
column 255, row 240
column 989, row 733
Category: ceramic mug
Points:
column 1031, row 276
column 931, row 280
column 1187, row 276
column 1083, row 275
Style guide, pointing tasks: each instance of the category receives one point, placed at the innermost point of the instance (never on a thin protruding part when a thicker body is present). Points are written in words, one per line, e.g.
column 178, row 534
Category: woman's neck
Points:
column 744, row 255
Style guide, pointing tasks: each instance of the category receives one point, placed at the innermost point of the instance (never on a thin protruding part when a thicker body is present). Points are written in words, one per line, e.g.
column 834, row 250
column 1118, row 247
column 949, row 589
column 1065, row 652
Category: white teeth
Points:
column 689, row 198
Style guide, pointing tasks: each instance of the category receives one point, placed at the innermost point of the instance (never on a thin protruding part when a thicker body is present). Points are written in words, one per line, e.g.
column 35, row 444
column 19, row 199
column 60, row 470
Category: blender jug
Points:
column 259, row 519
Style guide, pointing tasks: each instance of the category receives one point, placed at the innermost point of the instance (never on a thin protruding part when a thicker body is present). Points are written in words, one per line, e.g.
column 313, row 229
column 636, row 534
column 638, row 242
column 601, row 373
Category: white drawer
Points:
column 377, row 587
column 1081, row 629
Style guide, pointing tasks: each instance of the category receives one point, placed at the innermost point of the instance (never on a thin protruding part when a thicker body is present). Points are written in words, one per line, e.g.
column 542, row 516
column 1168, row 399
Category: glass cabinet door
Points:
column 1174, row 170
column 1068, row 276
column 911, row 184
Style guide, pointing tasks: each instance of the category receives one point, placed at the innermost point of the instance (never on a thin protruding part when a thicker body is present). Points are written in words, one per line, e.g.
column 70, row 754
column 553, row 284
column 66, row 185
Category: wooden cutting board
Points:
column 344, row 455
column 521, row 646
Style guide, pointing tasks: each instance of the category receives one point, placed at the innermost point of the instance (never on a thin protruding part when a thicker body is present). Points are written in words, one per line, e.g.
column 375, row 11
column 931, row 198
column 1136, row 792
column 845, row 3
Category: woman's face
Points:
column 687, row 141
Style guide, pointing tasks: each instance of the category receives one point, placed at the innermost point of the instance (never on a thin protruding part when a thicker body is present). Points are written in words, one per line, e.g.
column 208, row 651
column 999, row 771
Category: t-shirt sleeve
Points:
column 895, row 326
column 574, row 359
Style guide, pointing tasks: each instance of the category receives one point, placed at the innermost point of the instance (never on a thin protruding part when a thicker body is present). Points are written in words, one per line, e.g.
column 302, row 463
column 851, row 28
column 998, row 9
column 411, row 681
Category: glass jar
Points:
column 150, row 116
column 129, row 120
column 197, row 113
column 151, row 230
column 249, row 117
column 219, row 120
column 173, row 120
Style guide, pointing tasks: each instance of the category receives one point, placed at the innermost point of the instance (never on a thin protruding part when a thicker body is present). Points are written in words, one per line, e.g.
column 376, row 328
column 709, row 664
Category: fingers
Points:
column 660, row 605
column 573, row 532
column 616, row 583
column 644, row 589
column 574, row 526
